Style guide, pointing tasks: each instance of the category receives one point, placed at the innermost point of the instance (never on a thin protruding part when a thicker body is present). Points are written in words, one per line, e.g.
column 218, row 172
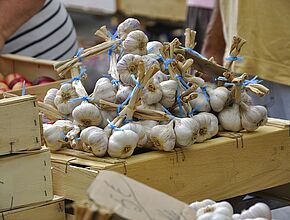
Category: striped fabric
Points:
column 49, row 34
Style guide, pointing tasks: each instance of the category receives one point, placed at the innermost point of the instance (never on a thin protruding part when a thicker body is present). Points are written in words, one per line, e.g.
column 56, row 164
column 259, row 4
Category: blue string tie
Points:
column 78, row 139
column 178, row 99
column 184, row 85
column 194, row 110
column 168, row 112
column 112, row 126
column 136, row 82
column 203, row 89
column 234, row 58
column 84, row 98
column 254, row 80
column 115, row 82
column 190, row 50
column 78, row 54
column 79, row 77
column 167, row 62
column 23, row 88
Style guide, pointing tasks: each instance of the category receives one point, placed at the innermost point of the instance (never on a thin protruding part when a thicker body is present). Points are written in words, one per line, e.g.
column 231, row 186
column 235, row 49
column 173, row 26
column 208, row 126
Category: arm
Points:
column 214, row 43
column 14, row 13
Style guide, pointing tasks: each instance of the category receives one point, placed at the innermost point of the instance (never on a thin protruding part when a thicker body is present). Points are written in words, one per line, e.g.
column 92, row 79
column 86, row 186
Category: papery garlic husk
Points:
column 186, row 131
column 54, row 137
column 138, row 129
column 105, row 90
column 156, row 106
column 208, row 126
column 106, row 115
column 122, row 143
column 72, row 136
column 135, row 43
column 76, row 144
column 96, row 139
column 253, row 116
column 154, row 47
column 127, row 66
column 124, row 28
column 148, row 125
column 86, row 115
column 168, row 89
column 163, row 137
column 201, row 103
column 230, row 118
column 151, row 93
column 149, row 62
column 197, row 205
column 66, row 125
column 217, row 209
column 218, row 97
column 246, row 98
column 50, row 96
column 160, row 76
column 123, row 93
column 64, row 94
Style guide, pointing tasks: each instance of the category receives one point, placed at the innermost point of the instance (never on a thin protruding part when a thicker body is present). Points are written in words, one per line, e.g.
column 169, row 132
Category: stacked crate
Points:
column 25, row 167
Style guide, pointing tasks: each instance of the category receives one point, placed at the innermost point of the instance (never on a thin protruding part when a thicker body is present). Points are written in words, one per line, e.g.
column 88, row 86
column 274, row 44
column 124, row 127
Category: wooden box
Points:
column 163, row 9
column 19, row 124
column 25, row 179
column 51, row 210
column 218, row 169
column 31, row 68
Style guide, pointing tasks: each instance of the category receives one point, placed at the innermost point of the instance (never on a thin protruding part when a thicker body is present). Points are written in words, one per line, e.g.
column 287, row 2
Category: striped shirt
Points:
column 49, row 34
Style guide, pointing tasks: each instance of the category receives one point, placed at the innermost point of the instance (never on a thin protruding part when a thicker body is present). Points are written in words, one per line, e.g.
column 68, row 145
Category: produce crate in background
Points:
column 19, row 124
column 31, row 68
column 25, row 179
column 51, row 210
column 219, row 168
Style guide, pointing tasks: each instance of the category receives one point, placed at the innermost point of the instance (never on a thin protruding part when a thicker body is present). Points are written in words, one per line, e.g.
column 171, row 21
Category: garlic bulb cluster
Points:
column 50, row 96
column 220, row 210
column 163, row 137
column 201, row 103
column 66, row 93
column 124, row 28
column 104, row 90
column 259, row 210
column 160, row 76
column 138, row 129
column 168, row 89
column 230, row 118
column 149, row 61
column 87, row 114
column 152, row 92
column 218, row 98
column 123, row 93
column 154, row 47
column 148, row 125
column 136, row 43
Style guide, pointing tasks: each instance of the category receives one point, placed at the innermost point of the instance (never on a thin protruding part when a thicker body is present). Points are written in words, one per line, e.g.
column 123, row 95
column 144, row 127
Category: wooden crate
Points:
column 19, row 124
column 31, row 68
column 219, row 168
column 51, row 210
column 164, row 10
column 25, row 179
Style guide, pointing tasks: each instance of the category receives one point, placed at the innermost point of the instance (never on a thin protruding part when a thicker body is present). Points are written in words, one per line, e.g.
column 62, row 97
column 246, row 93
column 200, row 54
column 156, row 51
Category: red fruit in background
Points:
column 42, row 80
column 3, row 85
column 11, row 76
column 2, row 78
column 19, row 84
column 3, row 90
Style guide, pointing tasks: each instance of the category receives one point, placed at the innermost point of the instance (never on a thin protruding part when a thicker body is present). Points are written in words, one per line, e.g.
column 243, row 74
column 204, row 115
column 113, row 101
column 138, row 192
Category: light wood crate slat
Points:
column 219, row 168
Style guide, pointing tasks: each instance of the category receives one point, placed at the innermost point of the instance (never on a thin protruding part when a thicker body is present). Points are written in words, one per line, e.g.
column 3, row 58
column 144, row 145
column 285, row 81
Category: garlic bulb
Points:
column 130, row 24
column 138, row 129
column 86, row 115
column 50, row 96
column 123, row 93
column 230, row 118
column 63, row 95
column 197, row 205
column 177, row 112
column 148, row 125
column 218, row 97
column 220, row 209
column 163, row 137
column 127, row 66
column 149, row 62
column 201, row 103
column 253, row 116
column 122, row 143
column 66, row 125
column 154, row 47
column 168, row 89
column 160, row 76
column 76, row 144
column 106, row 115
column 259, row 210
column 151, row 93
column 105, row 90
column 245, row 98
column 54, row 137
column 208, row 126
column 135, row 43
column 186, row 131
column 95, row 139
column 156, row 106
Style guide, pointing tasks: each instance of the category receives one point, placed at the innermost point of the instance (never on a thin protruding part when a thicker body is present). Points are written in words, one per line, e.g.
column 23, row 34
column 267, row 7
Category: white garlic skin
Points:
column 218, row 98
column 127, row 66
column 151, row 93
column 123, row 93
column 201, row 102
column 148, row 125
column 160, row 76
column 230, row 118
column 163, row 137
column 50, row 96
column 208, row 126
column 259, row 210
column 245, row 98
column 66, row 125
column 95, row 139
column 197, row 205
column 149, row 62
column 168, row 89
column 156, row 106
column 138, row 129
column 122, row 143
column 154, row 47
column 186, row 131
column 218, row 209
column 105, row 90
column 253, row 116
column 87, row 114
column 64, row 94
column 135, row 43
column 124, row 28
column 54, row 137
column 106, row 115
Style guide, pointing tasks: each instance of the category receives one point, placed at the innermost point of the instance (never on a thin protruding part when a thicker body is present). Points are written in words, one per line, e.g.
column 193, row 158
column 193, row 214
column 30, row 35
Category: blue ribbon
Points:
column 136, row 82
column 194, row 110
column 167, row 62
column 126, row 121
column 254, row 80
column 82, row 73
column 112, row 126
column 115, row 82
column 84, row 98
column 190, row 50
column 183, row 83
column 178, row 99
column 168, row 112
column 78, row 139
column 203, row 89
column 234, row 58
column 23, row 88
column 78, row 54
